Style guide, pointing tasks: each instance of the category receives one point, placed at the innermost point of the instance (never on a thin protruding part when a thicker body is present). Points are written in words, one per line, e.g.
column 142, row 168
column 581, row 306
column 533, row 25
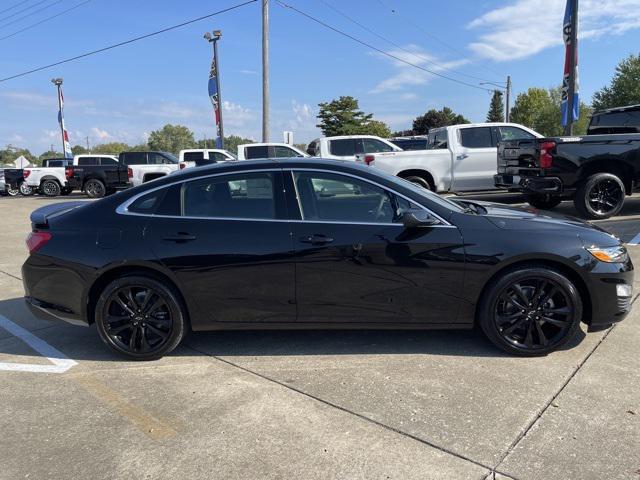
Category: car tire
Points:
column 95, row 189
column 601, row 196
column 517, row 320
column 123, row 310
column 50, row 188
column 13, row 192
column 543, row 202
column 420, row 181
column 66, row 191
column 26, row 190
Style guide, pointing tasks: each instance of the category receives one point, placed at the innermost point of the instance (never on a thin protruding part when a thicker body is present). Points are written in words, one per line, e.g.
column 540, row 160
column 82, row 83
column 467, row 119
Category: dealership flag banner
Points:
column 569, row 114
column 65, row 136
column 214, row 95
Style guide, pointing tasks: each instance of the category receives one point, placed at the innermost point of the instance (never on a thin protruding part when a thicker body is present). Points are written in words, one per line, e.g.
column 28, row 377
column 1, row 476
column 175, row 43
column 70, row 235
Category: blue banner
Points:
column 569, row 115
column 215, row 100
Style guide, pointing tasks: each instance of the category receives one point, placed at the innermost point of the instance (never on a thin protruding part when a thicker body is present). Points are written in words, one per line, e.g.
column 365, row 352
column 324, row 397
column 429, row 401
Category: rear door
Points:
column 227, row 241
column 355, row 261
column 345, row 148
column 474, row 162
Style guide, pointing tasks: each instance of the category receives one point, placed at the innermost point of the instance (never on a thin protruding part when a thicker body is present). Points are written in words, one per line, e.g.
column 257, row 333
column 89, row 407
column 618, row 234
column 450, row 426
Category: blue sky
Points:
column 123, row 94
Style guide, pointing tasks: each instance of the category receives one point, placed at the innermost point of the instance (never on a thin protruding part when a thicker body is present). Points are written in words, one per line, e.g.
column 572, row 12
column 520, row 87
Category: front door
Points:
column 229, row 247
column 356, row 263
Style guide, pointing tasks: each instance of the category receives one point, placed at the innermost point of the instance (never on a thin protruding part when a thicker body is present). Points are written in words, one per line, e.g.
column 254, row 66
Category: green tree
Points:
column 78, row 150
column 141, row 147
column 496, row 108
column 343, row 117
column 171, row 138
column 624, row 88
column 112, row 148
column 230, row 143
column 9, row 155
column 50, row 154
column 435, row 119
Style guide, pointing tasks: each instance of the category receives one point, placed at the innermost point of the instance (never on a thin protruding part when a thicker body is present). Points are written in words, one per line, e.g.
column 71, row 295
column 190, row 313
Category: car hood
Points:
column 529, row 218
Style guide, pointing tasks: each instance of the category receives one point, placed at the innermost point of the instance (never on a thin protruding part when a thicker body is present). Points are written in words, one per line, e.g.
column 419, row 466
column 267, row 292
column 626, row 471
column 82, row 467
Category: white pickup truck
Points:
column 146, row 166
column 203, row 156
column 347, row 147
column 249, row 151
column 461, row 158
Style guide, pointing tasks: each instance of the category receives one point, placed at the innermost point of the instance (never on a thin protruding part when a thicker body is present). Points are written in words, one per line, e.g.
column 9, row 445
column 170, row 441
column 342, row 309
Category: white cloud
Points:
column 410, row 76
column 100, row 134
column 526, row 27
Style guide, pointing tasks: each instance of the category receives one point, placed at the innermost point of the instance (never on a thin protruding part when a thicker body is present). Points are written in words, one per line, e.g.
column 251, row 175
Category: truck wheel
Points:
column 601, row 196
column 25, row 189
column 422, row 182
column 95, row 189
column 50, row 188
column 65, row 191
column 543, row 202
column 12, row 192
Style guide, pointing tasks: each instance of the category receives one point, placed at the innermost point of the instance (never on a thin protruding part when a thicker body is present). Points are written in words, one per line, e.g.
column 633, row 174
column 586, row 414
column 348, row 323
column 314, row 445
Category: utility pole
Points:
column 52, row 150
column 508, row 106
column 265, row 70
column 88, row 149
column 214, row 90
column 573, row 50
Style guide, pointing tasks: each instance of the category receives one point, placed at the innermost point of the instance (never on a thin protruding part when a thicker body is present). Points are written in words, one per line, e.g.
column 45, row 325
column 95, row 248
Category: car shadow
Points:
column 80, row 343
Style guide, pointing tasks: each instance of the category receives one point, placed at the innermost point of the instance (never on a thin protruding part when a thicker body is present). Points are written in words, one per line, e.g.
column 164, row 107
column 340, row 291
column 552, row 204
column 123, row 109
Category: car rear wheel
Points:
column 12, row 192
column 95, row 189
column 543, row 202
column 140, row 317
column 531, row 311
column 601, row 196
column 422, row 182
column 50, row 188
column 25, row 189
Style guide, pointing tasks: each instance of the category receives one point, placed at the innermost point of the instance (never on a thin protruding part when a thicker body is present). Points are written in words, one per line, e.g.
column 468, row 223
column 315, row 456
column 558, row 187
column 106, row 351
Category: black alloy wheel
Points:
column 50, row 188
column 531, row 311
column 602, row 196
column 140, row 317
column 95, row 189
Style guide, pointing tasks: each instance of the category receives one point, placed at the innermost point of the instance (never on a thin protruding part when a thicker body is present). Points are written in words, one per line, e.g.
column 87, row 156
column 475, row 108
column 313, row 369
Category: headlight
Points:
column 610, row 254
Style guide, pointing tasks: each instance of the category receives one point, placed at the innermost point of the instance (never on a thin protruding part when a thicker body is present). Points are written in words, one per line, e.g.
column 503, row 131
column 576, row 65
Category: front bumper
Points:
column 607, row 306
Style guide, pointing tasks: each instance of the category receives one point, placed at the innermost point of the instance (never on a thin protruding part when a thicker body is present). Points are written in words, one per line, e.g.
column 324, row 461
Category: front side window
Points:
column 314, row 148
column 107, row 161
column 259, row 151
column 247, row 195
column 218, row 157
column 284, row 152
column 371, row 145
column 345, row 147
column 479, row 137
column 514, row 133
column 340, row 198
column 438, row 140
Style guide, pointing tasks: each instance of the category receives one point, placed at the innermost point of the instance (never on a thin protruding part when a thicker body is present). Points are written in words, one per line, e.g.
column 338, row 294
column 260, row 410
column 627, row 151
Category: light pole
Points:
column 265, row 70
column 216, row 97
column 506, row 86
column 58, row 83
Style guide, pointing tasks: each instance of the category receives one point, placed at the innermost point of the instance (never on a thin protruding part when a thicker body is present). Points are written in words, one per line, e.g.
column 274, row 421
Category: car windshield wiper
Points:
column 471, row 207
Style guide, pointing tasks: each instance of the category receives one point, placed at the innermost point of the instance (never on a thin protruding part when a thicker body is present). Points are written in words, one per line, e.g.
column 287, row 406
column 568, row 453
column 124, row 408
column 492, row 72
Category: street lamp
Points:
column 213, row 37
column 58, row 83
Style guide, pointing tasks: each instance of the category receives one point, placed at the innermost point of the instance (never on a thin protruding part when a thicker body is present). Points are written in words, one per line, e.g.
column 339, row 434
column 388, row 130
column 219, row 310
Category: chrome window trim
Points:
column 122, row 209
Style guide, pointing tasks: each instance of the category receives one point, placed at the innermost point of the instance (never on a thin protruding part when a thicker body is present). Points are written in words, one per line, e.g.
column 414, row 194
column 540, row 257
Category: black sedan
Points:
column 299, row 244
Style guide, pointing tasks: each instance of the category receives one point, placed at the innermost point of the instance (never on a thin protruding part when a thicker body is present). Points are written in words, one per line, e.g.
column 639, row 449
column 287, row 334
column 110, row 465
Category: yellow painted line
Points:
column 148, row 424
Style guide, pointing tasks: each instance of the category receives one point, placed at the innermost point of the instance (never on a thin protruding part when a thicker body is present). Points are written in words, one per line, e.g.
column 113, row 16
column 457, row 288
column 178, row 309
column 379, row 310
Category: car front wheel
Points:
column 140, row 317
column 530, row 311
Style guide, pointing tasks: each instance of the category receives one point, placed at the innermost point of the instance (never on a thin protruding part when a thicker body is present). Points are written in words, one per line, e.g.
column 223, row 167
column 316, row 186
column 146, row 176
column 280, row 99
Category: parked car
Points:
column 596, row 171
column 50, row 179
column 10, row 181
column 418, row 142
column 263, row 244
column 97, row 175
column 197, row 157
column 250, row 151
column 146, row 166
column 347, row 147
column 461, row 158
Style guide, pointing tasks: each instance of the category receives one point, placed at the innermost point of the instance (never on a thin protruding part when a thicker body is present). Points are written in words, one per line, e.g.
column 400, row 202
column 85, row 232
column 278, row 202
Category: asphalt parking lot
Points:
column 324, row 404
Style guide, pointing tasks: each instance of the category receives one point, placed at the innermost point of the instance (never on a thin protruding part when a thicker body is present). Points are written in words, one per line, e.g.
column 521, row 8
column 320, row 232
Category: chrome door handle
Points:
column 316, row 239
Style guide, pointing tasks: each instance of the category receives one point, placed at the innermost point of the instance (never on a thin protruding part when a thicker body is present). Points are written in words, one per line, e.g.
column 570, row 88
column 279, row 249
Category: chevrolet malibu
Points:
column 293, row 244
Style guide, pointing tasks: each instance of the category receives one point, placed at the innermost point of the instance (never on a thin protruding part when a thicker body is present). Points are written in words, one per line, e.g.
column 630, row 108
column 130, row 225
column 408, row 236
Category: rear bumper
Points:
column 48, row 311
column 536, row 185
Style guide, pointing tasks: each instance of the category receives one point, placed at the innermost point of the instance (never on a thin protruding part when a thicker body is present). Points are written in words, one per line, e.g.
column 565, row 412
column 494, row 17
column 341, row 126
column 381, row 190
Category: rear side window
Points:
column 135, row 158
column 259, row 151
column 411, row 144
column 314, row 148
column 476, row 137
column 193, row 156
column 148, row 203
column 615, row 122
column 241, row 196
column 343, row 148
column 87, row 161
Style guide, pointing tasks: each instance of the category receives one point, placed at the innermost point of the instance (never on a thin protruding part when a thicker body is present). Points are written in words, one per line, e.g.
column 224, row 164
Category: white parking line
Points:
column 61, row 363
column 635, row 240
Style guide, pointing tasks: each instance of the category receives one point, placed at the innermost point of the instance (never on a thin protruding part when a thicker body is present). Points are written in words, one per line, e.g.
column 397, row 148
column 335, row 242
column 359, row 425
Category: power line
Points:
column 432, row 36
column 417, row 55
column 23, row 10
column 44, row 20
column 14, row 6
column 368, row 45
column 126, row 42
column 30, row 14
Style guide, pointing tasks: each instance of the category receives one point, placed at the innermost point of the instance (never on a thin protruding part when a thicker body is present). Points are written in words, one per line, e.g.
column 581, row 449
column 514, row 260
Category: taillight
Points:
column 183, row 165
column 68, row 172
column 36, row 240
column 26, row 173
column 129, row 172
column 546, row 160
column 368, row 159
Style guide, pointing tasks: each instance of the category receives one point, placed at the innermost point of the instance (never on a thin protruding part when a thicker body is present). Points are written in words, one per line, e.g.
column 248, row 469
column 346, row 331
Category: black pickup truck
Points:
column 97, row 175
column 12, row 179
column 596, row 171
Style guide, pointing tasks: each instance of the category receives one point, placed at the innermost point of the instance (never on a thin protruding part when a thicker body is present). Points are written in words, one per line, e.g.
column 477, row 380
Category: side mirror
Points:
column 416, row 218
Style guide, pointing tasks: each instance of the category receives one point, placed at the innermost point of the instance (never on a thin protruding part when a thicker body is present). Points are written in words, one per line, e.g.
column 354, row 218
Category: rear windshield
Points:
column 615, row 122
